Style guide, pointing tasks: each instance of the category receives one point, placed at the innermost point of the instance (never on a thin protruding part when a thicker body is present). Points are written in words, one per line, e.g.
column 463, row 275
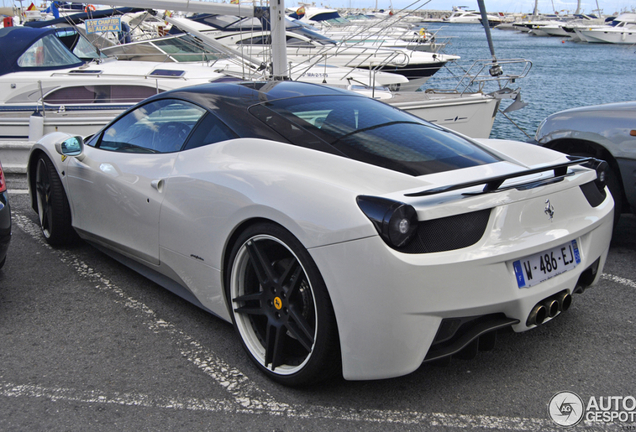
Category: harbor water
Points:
column 564, row 74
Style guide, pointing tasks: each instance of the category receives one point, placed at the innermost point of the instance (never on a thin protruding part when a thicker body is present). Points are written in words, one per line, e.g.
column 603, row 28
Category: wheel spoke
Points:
column 250, row 297
column 304, row 341
column 45, row 216
column 292, row 273
column 250, row 310
column 262, row 266
column 300, row 328
column 41, row 188
column 274, row 346
column 43, row 192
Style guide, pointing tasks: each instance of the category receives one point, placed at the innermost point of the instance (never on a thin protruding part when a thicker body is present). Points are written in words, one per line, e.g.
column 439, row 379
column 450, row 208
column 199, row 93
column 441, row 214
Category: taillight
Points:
column 3, row 182
column 396, row 222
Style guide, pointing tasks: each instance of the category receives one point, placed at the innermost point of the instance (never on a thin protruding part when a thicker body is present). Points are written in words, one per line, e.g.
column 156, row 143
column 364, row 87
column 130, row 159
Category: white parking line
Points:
column 619, row 280
column 313, row 412
column 245, row 396
column 18, row 191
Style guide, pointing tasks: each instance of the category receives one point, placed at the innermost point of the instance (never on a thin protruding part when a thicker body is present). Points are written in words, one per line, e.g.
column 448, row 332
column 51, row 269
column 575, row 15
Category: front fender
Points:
column 46, row 145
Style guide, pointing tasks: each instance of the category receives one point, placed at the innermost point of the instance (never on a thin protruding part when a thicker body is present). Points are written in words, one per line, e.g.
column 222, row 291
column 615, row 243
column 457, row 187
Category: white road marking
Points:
column 300, row 412
column 619, row 280
column 246, row 396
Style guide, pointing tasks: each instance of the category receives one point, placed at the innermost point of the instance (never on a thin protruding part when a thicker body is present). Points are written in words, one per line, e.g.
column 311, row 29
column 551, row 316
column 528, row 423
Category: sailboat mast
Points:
column 279, row 40
column 484, row 21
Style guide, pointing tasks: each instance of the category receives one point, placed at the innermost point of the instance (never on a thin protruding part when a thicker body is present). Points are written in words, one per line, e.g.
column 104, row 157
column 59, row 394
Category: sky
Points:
column 523, row 6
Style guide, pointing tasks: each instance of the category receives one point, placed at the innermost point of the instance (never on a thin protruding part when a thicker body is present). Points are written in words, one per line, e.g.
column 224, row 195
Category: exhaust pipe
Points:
column 537, row 315
column 565, row 301
column 552, row 307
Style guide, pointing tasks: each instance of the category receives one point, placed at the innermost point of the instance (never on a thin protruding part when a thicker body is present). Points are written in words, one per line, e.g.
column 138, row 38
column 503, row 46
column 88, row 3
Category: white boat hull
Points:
column 621, row 37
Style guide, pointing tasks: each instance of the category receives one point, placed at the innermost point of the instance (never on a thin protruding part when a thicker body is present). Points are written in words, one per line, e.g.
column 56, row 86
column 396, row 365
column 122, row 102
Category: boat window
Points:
column 311, row 35
column 378, row 134
column 145, row 51
column 78, row 44
column 246, row 24
column 85, row 50
column 48, row 52
column 228, row 22
column 297, row 42
column 258, row 40
column 325, row 16
column 102, row 94
column 188, row 49
column 157, row 127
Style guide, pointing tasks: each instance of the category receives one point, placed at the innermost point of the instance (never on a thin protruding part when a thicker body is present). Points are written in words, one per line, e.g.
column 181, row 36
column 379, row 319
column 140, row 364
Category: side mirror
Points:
column 73, row 146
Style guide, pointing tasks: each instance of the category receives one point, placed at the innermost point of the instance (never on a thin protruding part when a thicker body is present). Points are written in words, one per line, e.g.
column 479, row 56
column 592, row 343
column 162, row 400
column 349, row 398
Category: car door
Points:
column 116, row 189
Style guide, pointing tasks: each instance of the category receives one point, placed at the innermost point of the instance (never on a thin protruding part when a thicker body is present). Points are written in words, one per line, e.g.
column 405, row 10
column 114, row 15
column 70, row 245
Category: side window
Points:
column 209, row 131
column 157, row 127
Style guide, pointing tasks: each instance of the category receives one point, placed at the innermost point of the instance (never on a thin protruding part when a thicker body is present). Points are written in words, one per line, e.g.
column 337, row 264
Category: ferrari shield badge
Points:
column 549, row 210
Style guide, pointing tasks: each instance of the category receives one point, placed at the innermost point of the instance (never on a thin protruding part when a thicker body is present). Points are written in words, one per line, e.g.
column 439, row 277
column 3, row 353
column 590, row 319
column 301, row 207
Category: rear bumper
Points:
column 389, row 306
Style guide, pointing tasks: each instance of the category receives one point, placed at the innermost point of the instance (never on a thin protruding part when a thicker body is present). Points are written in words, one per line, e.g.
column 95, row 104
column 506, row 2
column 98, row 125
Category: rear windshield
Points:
column 373, row 132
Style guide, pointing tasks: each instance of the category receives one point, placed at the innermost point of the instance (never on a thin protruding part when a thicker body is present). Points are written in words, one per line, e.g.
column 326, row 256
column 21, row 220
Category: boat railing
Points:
column 484, row 75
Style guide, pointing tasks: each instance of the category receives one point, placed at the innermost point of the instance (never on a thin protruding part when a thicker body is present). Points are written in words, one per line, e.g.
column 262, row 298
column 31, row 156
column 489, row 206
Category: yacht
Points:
column 460, row 15
column 188, row 48
column 470, row 113
column 305, row 46
column 54, row 79
column 622, row 30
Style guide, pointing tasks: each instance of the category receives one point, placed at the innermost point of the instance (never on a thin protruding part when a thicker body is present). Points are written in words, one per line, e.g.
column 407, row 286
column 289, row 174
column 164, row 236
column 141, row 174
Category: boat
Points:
column 582, row 23
column 461, row 15
column 622, row 30
column 469, row 112
column 188, row 48
column 305, row 46
column 49, row 88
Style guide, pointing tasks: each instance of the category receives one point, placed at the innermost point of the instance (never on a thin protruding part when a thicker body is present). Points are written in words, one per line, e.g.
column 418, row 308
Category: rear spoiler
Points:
column 492, row 184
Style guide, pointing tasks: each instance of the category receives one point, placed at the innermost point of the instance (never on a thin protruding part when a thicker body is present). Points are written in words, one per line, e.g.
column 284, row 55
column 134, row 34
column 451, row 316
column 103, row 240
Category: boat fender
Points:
column 36, row 126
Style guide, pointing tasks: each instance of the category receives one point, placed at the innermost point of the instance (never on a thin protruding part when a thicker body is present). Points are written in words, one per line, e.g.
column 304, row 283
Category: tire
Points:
column 54, row 212
column 280, row 307
column 614, row 185
column 613, row 182
column 4, row 260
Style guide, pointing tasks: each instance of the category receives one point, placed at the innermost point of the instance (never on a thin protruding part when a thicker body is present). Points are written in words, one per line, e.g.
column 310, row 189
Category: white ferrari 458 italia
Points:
column 337, row 234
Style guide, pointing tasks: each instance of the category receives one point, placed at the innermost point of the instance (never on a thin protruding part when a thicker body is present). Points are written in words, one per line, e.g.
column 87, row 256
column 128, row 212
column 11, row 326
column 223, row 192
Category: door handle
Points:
column 157, row 184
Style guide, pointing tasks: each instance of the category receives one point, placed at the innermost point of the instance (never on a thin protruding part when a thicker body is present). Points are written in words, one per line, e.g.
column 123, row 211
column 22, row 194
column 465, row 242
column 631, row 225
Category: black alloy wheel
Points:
column 280, row 307
column 53, row 208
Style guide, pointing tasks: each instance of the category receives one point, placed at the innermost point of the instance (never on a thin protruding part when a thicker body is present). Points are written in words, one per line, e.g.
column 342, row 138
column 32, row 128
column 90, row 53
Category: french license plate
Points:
column 537, row 268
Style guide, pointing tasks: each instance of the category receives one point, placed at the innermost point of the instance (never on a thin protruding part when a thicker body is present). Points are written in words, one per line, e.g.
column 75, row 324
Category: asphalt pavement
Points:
column 88, row 345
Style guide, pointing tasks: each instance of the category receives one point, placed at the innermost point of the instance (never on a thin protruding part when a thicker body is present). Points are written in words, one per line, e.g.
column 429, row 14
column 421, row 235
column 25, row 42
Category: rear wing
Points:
column 493, row 184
